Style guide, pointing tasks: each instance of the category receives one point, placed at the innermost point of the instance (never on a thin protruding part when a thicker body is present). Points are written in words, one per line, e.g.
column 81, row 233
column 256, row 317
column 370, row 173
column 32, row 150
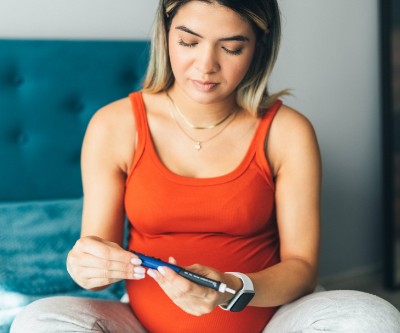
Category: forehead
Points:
column 200, row 15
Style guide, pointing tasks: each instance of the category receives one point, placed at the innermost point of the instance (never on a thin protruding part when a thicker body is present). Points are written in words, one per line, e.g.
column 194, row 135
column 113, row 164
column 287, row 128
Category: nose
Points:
column 207, row 60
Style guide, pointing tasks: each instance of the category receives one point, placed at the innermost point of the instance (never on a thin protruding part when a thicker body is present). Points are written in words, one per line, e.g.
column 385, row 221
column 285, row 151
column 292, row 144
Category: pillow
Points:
column 35, row 239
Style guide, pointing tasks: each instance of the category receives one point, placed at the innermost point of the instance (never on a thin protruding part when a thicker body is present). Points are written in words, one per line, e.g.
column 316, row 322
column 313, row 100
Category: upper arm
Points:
column 107, row 151
column 295, row 158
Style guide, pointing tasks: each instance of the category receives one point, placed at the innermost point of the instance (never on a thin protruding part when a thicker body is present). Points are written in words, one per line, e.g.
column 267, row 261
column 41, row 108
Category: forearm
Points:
column 283, row 283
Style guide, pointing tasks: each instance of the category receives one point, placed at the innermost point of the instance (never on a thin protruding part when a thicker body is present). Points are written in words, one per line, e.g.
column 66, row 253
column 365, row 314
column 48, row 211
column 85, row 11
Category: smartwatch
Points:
column 243, row 296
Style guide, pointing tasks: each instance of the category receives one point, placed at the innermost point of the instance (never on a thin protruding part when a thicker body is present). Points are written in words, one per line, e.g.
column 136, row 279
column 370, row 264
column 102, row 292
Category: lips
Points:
column 204, row 86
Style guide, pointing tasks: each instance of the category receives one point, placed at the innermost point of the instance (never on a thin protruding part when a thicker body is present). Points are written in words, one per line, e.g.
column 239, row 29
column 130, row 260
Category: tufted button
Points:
column 17, row 80
column 21, row 138
column 75, row 105
column 75, row 157
column 78, row 107
column 12, row 78
column 18, row 136
column 128, row 76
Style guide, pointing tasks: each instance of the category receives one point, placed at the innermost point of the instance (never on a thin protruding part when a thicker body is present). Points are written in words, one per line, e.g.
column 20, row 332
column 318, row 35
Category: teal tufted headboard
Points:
column 48, row 92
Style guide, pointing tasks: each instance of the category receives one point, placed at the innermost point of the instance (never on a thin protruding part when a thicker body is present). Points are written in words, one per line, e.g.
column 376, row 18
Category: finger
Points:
column 87, row 260
column 205, row 293
column 88, row 266
column 157, row 276
column 175, row 285
column 90, row 278
column 205, row 271
column 185, row 294
column 94, row 273
column 172, row 260
column 96, row 282
column 103, row 249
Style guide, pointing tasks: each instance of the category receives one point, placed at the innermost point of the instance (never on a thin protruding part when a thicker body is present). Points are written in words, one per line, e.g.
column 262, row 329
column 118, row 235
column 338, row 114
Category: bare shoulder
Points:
column 291, row 135
column 291, row 126
column 113, row 114
column 291, row 122
column 111, row 132
column 117, row 118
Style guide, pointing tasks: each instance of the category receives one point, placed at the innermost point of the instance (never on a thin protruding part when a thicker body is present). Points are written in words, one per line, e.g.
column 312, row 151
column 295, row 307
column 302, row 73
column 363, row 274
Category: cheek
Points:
column 179, row 61
column 238, row 70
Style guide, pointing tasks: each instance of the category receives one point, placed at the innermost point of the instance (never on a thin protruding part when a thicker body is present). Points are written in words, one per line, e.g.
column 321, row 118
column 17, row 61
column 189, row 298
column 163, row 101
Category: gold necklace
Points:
column 197, row 143
column 188, row 123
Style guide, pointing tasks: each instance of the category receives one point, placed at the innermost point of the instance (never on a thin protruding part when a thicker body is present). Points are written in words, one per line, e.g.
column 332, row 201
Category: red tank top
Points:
column 226, row 222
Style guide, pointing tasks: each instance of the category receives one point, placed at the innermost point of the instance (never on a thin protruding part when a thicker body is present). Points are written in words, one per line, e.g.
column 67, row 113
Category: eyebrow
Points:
column 239, row 38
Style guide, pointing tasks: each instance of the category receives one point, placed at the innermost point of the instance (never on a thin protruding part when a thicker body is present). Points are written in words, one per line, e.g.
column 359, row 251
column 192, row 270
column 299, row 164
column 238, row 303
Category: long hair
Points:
column 252, row 93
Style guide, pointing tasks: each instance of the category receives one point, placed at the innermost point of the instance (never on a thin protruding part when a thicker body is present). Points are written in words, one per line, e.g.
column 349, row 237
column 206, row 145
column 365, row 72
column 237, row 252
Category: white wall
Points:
column 99, row 19
column 329, row 58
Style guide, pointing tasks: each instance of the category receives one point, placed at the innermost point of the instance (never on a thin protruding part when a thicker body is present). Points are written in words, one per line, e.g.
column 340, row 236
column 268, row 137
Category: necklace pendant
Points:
column 197, row 146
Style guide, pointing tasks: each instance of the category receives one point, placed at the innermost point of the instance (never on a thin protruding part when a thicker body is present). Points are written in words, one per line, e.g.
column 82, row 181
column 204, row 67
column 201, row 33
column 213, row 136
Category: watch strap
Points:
column 243, row 296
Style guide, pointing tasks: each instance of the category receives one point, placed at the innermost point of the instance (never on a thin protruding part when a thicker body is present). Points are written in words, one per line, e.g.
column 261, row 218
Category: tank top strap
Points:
column 142, row 132
column 262, row 136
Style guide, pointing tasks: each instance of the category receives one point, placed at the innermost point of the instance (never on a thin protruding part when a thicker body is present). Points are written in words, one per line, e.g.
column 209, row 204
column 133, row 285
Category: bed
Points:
column 49, row 89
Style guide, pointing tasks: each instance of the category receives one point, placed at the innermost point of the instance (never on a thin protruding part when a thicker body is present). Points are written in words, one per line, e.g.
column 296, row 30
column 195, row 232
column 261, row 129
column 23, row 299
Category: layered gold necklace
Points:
column 198, row 143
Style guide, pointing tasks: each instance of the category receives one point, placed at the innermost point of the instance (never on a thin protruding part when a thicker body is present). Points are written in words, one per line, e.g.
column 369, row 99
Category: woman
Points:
column 214, row 174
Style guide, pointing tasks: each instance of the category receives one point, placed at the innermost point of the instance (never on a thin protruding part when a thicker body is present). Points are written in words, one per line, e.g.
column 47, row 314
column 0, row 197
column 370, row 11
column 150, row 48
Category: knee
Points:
column 37, row 316
column 367, row 311
column 355, row 311
column 337, row 311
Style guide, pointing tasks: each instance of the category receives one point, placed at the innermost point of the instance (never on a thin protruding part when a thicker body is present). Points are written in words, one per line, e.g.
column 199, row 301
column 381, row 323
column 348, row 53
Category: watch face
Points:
column 242, row 301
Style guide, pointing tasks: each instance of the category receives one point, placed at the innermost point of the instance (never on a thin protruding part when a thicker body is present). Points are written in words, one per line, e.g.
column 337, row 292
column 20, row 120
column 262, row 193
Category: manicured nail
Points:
column 161, row 270
column 139, row 270
column 151, row 273
column 138, row 276
column 136, row 261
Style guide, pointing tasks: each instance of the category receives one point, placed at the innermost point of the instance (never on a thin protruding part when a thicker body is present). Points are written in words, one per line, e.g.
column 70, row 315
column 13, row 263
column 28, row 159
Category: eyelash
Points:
column 182, row 43
column 231, row 52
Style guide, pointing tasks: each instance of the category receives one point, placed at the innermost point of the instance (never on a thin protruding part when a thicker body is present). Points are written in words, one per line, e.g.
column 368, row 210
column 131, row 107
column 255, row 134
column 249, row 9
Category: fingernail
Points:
column 138, row 276
column 136, row 261
column 172, row 260
column 151, row 273
column 161, row 270
column 139, row 270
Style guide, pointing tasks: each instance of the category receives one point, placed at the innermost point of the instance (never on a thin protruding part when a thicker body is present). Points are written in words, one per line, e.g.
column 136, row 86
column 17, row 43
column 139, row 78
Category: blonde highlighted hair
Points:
column 252, row 93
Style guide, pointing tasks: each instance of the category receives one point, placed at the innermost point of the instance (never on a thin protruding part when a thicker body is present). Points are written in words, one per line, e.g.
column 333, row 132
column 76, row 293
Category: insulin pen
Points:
column 154, row 263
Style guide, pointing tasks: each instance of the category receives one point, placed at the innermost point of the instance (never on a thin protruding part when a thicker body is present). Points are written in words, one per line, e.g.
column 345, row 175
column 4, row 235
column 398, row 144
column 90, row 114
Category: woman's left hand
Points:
column 191, row 297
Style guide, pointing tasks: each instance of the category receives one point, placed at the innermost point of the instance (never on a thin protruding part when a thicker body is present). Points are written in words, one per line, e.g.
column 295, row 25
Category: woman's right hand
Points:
column 95, row 263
